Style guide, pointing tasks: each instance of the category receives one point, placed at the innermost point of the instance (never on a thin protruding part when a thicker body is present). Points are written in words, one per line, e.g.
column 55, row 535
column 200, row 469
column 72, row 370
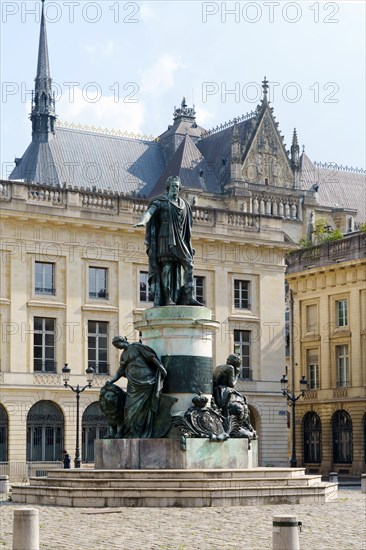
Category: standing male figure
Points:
column 168, row 222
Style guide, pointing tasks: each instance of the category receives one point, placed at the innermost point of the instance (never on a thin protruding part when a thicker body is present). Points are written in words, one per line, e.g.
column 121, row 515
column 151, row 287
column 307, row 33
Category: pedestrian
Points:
column 66, row 459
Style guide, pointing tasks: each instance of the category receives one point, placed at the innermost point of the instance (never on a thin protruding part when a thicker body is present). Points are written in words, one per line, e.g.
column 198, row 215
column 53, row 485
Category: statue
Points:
column 112, row 401
column 168, row 222
column 146, row 411
column 231, row 403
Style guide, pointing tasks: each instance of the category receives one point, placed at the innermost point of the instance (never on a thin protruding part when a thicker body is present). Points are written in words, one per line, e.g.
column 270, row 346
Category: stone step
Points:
column 141, row 483
column 173, row 497
column 86, row 473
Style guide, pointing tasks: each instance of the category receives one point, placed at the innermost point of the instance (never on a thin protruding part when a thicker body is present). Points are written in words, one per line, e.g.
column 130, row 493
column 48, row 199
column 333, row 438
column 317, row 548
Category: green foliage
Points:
column 322, row 233
column 305, row 242
column 363, row 227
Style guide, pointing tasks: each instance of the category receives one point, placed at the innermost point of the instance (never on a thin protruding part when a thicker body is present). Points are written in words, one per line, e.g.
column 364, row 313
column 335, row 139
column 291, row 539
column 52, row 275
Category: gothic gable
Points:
column 266, row 161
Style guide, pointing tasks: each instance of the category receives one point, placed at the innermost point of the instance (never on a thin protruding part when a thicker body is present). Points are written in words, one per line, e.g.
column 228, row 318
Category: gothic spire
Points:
column 265, row 90
column 295, row 151
column 43, row 102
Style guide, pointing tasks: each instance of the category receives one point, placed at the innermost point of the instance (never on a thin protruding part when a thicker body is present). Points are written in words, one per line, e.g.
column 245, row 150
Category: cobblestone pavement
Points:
column 336, row 525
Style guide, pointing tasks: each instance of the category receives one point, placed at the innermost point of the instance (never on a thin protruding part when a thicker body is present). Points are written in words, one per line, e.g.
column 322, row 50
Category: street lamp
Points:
column 66, row 376
column 292, row 398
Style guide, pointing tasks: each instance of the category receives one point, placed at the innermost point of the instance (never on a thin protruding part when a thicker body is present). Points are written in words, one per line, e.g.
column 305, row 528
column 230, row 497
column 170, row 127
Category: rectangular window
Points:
column 242, row 348
column 145, row 291
column 342, row 366
column 98, row 346
column 342, row 313
column 44, row 345
column 241, row 294
column 313, row 368
column 98, row 283
column 44, row 278
column 199, row 289
column 312, row 318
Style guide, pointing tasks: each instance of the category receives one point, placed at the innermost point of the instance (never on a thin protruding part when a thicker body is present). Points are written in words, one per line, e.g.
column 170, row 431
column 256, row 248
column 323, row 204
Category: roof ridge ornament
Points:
column 184, row 110
column 265, row 88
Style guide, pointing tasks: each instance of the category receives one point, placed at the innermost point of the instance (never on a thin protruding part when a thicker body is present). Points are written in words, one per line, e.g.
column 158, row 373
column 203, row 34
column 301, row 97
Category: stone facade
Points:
column 328, row 283
column 75, row 231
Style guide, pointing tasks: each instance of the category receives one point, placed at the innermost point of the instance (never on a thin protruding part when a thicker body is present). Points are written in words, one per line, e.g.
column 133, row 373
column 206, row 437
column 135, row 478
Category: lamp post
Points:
column 89, row 376
column 290, row 396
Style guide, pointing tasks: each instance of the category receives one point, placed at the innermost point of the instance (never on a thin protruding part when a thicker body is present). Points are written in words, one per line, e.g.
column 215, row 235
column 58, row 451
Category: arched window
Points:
column 95, row 426
column 312, row 438
column 45, row 432
column 342, row 437
column 3, row 434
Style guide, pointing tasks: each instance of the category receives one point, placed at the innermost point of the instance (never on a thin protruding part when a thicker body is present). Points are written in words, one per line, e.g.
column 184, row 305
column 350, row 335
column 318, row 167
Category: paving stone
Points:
column 336, row 525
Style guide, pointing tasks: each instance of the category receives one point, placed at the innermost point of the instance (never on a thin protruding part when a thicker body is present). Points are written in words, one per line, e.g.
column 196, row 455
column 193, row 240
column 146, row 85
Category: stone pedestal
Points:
column 182, row 338
column 161, row 454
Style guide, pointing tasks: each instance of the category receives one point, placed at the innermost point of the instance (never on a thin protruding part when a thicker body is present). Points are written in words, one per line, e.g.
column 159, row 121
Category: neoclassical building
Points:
column 328, row 284
column 74, row 270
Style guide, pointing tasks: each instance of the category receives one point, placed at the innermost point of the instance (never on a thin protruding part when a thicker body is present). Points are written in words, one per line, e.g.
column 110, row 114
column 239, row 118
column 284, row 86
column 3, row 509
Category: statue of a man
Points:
column 225, row 378
column 145, row 375
column 168, row 222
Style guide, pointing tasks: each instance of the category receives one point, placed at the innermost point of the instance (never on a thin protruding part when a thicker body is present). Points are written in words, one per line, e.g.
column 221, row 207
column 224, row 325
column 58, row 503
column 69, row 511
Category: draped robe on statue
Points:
column 144, row 385
column 168, row 240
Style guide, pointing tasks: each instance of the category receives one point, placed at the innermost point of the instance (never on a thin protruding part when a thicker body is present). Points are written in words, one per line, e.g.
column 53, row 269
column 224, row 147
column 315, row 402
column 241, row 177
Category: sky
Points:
column 125, row 65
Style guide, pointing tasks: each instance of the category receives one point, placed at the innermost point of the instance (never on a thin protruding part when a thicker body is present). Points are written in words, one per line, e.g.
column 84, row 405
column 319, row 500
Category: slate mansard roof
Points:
column 91, row 159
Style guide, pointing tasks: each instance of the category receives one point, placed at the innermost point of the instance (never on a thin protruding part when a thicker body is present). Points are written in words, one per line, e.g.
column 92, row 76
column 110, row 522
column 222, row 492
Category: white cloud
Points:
column 105, row 49
column 159, row 78
column 204, row 116
column 105, row 112
column 147, row 13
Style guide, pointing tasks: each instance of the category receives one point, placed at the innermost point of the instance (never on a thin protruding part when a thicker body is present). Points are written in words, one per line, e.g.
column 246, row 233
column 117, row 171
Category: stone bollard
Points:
column 363, row 483
column 4, row 484
column 285, row 533
column 333, row 477
column 26, row 529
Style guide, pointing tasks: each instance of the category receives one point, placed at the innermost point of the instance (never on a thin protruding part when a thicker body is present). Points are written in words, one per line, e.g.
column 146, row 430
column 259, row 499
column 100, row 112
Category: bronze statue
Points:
column 230, row 402
column 168, row 222
column 145, row 375
column 112, row 401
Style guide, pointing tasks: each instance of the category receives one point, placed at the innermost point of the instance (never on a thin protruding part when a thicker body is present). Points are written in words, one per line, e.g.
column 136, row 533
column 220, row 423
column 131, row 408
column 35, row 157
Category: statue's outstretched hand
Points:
column 140, row 224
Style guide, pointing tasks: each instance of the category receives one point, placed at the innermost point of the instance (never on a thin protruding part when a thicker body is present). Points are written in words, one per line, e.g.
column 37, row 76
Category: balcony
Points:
column 351, row 247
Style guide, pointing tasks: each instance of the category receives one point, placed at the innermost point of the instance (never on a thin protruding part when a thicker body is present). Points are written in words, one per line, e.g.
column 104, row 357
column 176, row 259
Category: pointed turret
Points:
column 265, row 90
column 295, row 157
column 43, row 114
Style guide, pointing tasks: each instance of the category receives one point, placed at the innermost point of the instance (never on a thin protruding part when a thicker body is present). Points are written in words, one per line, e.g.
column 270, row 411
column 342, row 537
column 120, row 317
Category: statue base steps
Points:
column 175, row 488
column 146, row 454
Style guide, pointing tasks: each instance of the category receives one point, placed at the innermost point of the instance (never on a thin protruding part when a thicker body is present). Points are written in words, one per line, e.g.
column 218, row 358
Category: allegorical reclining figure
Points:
column 232, row 404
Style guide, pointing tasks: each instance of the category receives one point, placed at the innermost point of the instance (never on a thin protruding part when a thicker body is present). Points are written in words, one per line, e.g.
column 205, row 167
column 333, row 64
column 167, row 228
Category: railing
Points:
column 5, row 191
column 240, row 118
column 45, row 195
column 239, row 219
column 351, row 247
column 98, row 201
column 334, row 166
column 113, row 203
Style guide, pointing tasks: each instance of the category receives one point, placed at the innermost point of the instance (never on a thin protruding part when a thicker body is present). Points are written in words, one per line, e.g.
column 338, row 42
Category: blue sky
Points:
column 131, row 62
